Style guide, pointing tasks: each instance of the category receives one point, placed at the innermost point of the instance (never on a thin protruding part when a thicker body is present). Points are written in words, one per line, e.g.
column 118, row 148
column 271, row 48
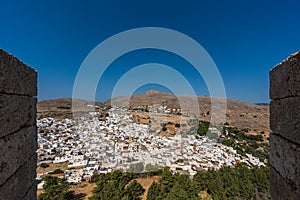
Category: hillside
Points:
column 239, row 114
column 61, row 108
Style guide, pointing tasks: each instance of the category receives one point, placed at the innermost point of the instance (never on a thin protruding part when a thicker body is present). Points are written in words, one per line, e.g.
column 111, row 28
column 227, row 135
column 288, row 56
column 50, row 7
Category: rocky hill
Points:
column 239, row 114
column 62, row 108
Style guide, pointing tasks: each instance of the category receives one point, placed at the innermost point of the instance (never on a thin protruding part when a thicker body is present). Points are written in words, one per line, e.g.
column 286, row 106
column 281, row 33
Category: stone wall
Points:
column 285, row 125
column 18, row 135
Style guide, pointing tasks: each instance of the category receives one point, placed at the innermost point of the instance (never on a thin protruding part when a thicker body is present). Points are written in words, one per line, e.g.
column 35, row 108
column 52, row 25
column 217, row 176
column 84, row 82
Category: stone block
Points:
column 21, row 182
column 16, row 112
column 16, row 77
column 285, row 118
column 285, row 78
column 280, row 189
column 31, row 193
column 15, row 149
column 285, row 158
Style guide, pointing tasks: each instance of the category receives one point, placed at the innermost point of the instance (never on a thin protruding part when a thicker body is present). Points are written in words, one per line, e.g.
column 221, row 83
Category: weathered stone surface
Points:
column 285, row 124
column 15, row 149
column 16, row 77
column 285, row 118
column 18, row 134
column 285, row 158
column 20, row 183
column 31, row 194
column 285, row 78
column 16, row 112
column 280, row 189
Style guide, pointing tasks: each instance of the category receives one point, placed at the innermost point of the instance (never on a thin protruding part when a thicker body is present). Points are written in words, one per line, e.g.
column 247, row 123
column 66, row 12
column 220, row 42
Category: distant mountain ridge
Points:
column 62, row 107
column 239, row 114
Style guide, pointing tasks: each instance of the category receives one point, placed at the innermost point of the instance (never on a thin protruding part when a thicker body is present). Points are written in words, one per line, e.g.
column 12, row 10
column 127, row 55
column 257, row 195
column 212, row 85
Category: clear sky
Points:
column 244, row 38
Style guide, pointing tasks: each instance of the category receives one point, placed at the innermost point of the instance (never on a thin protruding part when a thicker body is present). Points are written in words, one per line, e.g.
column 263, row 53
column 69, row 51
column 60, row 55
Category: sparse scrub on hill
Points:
column 57, row 171
column 150, row 167
column 136, row 168
column 245, row 143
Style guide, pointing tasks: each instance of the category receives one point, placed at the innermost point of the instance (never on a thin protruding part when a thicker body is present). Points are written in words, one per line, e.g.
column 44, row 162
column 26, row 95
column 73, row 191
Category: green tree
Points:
column 153, row 191
column 177, row 193
column 44, row 165
column 202, row 128
column 57, row 171
column 56, row 189
column 134, row 190
column 112, row 186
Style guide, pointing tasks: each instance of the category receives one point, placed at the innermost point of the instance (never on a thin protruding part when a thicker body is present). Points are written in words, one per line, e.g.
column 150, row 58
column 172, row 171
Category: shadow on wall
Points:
column 285, row 124
column 18, row 134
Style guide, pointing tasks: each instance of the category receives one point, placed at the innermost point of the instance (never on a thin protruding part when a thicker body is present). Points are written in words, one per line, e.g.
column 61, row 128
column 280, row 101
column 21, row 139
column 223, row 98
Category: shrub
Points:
column 44, row 165
column 177, row 125
column 57, row 171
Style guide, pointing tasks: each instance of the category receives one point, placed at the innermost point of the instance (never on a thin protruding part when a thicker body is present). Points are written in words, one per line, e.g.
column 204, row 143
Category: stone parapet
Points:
column 18, row 134
column 285, row 126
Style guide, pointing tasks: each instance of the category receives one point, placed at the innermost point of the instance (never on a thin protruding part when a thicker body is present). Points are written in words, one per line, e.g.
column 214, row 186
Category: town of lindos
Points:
column 142, row 140
column 149, row 100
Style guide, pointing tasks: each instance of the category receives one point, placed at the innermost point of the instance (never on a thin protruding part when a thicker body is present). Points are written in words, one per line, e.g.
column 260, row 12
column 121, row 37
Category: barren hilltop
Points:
column 62, row 108
column 239, row 114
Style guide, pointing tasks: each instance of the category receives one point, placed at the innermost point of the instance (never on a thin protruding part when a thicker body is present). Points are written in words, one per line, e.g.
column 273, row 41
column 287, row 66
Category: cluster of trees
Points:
column 117, row 185
column 56, row 189
column 240, row 182
column 235, row 183
column 173, row 187
column 226, row 183
column 203, row 128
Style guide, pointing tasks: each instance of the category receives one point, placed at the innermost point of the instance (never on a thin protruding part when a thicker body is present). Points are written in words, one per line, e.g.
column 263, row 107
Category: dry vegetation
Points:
column 146, row 183
column 239, row 114
column 83, row 190
column 53, row 166
column 204, row 195
column 62, row 108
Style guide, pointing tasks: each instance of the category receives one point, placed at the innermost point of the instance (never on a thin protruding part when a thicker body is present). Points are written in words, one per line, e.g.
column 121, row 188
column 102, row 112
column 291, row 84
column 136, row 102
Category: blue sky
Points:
column 244, row 38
